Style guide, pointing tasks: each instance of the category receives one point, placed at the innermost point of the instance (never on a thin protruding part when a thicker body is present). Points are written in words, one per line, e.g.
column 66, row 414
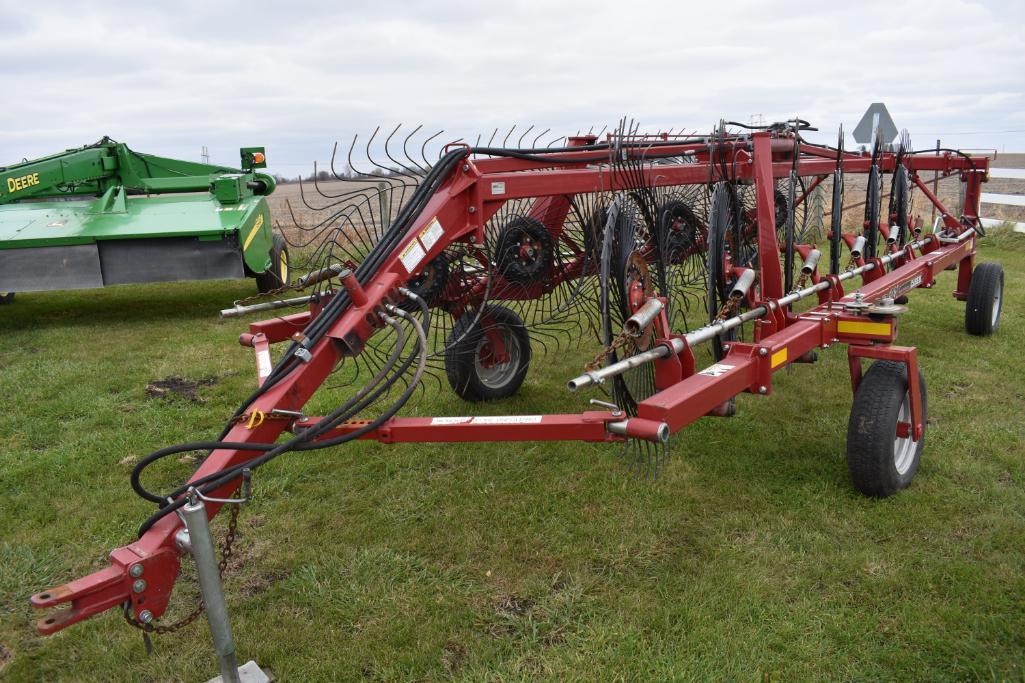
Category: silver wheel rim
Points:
column 904, row 447
column 997, row 300
column 498, row 375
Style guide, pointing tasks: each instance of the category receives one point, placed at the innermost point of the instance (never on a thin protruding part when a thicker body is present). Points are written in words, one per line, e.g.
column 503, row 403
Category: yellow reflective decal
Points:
column 852, row 327
column 779, row 357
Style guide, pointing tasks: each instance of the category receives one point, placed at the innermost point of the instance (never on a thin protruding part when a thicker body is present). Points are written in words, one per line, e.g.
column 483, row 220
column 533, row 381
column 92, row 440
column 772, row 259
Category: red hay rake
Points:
column 695, row 260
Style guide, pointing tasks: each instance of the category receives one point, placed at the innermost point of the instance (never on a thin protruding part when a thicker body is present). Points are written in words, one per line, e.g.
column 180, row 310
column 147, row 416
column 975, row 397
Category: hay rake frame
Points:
column 455, row 210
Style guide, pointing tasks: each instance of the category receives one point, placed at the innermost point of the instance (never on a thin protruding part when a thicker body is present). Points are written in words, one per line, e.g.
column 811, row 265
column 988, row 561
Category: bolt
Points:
column 135, row 570
column 145, row 616
column 763, row 351
column 139, row 585
column 466, row 167
column 473, row 238
column 763, row 390
column 825, row 346
column 725, row 347
column 472, row 209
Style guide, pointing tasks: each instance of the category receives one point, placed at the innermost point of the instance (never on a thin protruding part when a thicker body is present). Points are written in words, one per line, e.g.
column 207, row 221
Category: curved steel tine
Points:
column 519, row 143
column 505, row 141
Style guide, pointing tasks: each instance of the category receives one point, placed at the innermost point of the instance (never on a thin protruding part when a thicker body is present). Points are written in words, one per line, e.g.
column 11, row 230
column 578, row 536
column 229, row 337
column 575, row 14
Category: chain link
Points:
column 802, row 281
column 226, row 549
column 728, row 308
column 617, row 343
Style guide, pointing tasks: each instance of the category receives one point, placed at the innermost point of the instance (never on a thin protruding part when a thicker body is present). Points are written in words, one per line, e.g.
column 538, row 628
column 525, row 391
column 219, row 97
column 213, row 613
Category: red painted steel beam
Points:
column 588, row 426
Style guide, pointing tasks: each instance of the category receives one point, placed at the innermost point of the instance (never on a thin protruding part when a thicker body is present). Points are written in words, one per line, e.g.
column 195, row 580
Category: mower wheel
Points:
column 276, row 276
column 6, row 298
column 470, row 357
column 985, row 299
column 882, row 462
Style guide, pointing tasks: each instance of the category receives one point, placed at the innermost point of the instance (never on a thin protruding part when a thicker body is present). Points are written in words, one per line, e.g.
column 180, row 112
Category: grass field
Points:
column 750, row 558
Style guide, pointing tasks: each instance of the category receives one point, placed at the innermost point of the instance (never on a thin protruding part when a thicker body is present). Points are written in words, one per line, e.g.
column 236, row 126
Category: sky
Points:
column 170, row 77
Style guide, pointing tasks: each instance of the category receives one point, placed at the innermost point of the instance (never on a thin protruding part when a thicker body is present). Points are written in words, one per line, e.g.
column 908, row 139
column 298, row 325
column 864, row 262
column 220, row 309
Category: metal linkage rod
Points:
column 266, row 306
column 709, row 332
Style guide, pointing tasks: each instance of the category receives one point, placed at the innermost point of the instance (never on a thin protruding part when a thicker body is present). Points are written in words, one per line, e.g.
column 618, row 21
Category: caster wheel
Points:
column 882, row 461
column 985, row 299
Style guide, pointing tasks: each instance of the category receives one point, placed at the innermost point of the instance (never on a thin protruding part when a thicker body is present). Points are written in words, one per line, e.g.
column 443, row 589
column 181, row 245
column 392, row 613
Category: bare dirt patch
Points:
column 179, row 387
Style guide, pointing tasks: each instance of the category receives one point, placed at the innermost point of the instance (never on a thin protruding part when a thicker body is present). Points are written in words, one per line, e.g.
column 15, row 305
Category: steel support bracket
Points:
column 902, row 354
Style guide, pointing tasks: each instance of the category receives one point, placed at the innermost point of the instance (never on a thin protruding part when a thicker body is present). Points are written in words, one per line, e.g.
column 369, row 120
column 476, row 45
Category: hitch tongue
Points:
column 88, row 596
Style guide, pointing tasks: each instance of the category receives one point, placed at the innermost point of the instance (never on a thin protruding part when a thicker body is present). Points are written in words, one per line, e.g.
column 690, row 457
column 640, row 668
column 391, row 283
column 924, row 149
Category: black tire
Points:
column 524, row 252
column 465, row 367
column 277, row 275
column 880, row 463
column 985, row 300
column 6, row 298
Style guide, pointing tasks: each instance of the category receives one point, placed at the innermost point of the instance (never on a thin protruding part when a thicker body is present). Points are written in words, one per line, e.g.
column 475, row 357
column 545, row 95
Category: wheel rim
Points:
column 998, row 297
column 904, row 447
column 497, row 375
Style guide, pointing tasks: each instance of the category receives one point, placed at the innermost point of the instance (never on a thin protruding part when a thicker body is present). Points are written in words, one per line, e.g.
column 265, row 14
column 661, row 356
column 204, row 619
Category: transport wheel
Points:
column 880, row 460
column 276, row 276
column 6, row 298
column 985, row 299
column 524, row 250
column 472, row 363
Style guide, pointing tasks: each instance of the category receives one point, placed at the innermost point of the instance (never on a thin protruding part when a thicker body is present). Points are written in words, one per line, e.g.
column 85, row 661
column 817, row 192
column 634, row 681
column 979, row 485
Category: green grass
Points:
column 750, row 558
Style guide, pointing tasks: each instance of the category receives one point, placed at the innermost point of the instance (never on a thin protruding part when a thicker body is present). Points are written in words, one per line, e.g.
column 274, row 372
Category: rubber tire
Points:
column 276, row 276
column 984, row 294
column 6, row 298
column 873, row 427
column 460, row 368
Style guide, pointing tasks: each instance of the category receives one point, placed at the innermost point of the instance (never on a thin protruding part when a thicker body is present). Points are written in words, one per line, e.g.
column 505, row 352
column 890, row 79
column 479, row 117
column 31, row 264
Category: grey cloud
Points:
column 298, row 75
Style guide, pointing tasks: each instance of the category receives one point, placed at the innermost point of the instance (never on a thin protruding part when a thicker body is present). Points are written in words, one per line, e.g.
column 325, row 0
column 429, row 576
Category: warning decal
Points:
column 430, row 235
column 489, row 420
column 412, row 255
column 507, row 420
column 449, row 420
column 716, row 370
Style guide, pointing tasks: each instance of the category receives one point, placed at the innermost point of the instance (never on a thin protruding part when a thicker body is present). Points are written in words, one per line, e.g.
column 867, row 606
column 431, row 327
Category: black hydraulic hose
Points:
column 340, row 302
column 211, row 445
column 184, row 448
column 301, row 442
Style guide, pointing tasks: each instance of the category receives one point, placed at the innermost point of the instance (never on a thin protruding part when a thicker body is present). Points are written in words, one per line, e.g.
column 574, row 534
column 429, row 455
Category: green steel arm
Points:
column 94, row 169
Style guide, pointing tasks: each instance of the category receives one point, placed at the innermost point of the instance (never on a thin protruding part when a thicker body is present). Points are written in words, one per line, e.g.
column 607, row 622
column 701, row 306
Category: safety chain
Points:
column 729, row 307
column 802, row 281
column 285, row 287
column 226, row 550
column 852, row 264
column 617, row 343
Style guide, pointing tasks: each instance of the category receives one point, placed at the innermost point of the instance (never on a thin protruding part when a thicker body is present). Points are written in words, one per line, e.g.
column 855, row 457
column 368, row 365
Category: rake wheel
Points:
column 430, row 282
column 900, row 199
column 524, row 251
